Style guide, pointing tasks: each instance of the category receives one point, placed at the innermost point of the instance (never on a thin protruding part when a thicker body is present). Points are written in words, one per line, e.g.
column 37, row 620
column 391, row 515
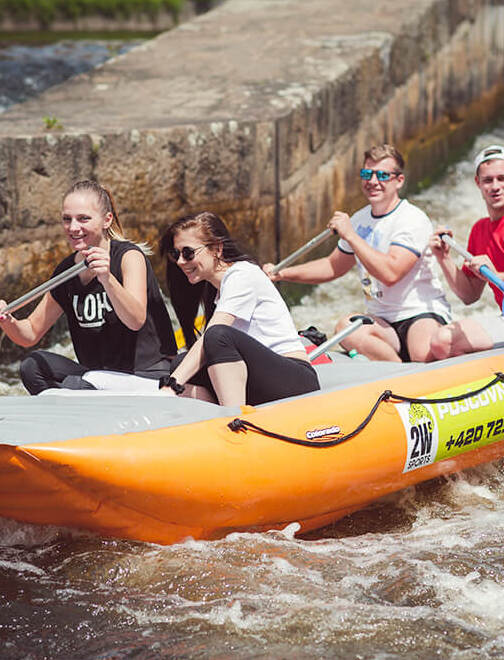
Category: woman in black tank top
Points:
column 115, row 312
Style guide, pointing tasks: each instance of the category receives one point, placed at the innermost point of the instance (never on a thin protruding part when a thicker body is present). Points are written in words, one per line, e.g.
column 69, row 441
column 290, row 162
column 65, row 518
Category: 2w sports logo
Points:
column 422, row 435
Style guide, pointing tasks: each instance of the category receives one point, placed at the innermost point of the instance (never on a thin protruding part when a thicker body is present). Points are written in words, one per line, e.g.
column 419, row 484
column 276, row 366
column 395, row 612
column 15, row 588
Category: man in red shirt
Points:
column 486, row 242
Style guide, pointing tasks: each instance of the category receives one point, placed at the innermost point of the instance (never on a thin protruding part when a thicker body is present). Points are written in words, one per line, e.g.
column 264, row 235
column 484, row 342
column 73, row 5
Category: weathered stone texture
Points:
column 35, row 178
column 259, row 111
column 217, row 165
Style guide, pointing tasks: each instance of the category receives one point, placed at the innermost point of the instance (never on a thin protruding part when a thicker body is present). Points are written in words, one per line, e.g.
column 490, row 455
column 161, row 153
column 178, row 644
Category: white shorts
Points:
column 494, row 326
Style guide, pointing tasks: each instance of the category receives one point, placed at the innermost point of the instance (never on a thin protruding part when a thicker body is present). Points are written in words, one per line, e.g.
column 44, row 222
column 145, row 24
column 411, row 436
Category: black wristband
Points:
column 170, row 381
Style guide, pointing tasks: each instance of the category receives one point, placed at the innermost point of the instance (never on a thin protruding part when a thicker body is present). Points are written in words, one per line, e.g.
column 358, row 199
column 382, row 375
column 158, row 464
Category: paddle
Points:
column 43, row 288
column 312, row 243
column 356, row 322
column 484, row 270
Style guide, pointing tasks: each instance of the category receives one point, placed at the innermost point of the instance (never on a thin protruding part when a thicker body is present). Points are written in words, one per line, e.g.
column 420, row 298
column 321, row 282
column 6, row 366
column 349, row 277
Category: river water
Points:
column 417, row 575
column 28, row 69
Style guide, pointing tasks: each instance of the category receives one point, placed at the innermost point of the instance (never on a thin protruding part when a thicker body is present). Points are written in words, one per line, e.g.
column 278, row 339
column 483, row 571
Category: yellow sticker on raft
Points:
column 436, row 431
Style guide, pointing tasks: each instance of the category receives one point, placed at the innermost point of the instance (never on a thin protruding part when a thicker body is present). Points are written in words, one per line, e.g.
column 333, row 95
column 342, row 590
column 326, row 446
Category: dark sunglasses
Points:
column 187, row 252
column 381, row 175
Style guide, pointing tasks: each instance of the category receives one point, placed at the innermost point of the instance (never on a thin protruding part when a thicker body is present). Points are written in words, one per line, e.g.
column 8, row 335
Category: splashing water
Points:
column 419, row 574
column 455, row 202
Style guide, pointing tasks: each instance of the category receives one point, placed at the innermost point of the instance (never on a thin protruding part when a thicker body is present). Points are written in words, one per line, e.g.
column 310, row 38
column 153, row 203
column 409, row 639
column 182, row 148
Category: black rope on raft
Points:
column 243, row 425
column 499, row 377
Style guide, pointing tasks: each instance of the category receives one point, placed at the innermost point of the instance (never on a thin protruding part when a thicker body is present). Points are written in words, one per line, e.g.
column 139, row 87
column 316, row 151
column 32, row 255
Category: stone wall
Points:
column 258, row 110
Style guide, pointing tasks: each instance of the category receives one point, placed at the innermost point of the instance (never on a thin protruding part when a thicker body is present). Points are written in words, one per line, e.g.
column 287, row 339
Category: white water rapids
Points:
column 417, row 575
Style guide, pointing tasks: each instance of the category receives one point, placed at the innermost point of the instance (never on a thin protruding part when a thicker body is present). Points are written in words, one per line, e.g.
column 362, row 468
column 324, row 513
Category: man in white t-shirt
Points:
column 388, row 240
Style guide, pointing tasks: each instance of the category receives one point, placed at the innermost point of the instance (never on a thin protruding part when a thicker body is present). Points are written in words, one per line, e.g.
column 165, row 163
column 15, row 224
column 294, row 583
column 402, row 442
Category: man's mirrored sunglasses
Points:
column 187, row 252
column 381, row 175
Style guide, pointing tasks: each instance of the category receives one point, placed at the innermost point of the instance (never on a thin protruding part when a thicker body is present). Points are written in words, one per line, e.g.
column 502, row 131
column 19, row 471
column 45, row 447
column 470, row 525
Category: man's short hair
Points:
column 382, row 151
column 493, row 152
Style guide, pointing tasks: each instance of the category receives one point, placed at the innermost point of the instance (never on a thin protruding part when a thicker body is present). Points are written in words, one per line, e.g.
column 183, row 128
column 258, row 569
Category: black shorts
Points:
column 401, row 328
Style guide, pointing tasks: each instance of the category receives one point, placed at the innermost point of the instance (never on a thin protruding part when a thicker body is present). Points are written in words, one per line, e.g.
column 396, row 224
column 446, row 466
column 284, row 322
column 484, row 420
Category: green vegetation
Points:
column 46, row 11
column 42, row 37
column 52, row 122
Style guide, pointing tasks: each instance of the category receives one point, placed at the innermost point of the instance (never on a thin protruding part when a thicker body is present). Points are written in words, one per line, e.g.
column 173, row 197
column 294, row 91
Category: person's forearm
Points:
column 312, row 272
column 19, row 331
column 385, row 268
column 191, row 364
column 130, row 311
column 462, row 286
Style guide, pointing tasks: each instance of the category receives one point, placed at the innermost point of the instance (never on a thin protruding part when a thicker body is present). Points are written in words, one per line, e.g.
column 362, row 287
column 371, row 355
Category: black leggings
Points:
column 270, row 376
column 42, row 370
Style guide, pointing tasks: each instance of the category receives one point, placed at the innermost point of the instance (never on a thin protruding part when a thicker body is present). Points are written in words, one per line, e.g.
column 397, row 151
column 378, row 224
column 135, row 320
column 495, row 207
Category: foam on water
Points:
column 455, row 202
column 427, row 583
column 14, row 534
column 418, row 574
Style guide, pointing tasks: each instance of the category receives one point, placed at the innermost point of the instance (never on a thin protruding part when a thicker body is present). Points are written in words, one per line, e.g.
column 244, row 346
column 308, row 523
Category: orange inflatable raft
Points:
column 161, row 469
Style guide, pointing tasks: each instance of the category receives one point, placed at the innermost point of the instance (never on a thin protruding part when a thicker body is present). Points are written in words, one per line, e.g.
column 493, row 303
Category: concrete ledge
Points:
column 259, row 110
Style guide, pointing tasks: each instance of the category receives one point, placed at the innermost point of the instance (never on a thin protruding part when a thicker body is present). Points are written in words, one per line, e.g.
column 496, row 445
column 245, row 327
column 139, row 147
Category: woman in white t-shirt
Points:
column 250, row 351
